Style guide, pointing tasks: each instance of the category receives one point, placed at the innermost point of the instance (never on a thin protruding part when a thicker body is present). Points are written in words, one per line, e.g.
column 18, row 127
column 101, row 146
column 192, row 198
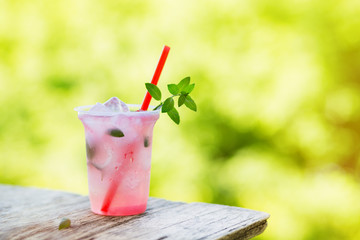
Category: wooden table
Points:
column 32, row 213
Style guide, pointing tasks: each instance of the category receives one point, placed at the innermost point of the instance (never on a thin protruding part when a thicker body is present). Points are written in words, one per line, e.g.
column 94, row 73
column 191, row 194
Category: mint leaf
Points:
column 116, row 132
column 154, row 91
column 146, row 141
column 181, row 100
column 183, row 83
column 168, row 105
column 188, row 89
column 174, row 115
column 189, row 102
column 64, row 223
column 90, row 151
column 173, row 89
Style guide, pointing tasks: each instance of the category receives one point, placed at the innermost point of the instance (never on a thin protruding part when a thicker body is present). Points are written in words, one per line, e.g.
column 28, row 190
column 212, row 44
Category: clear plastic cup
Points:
column 118, row 152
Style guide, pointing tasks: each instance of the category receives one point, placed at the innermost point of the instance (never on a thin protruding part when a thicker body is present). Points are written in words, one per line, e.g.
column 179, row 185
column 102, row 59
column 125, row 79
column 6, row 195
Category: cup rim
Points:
column 85, row 111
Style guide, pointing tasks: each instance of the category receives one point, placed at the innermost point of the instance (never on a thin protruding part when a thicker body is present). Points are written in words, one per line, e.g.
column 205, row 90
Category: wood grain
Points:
column 32, row 213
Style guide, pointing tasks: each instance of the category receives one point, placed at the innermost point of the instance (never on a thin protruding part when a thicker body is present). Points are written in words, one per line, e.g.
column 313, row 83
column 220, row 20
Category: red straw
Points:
column 113, row 187
column 156, row 76
column 109, row 196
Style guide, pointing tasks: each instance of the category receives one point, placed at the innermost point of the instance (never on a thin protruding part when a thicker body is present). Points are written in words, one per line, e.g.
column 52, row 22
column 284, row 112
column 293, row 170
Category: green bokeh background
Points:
column 277, row 88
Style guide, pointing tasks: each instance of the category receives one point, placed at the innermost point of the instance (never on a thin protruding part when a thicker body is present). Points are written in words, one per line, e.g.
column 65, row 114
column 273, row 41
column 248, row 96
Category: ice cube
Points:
column 115, row 105
column 98, row 107
column 112, row 105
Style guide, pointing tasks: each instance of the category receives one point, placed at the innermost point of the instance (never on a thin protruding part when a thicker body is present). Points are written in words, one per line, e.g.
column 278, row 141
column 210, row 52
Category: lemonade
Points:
column 118, row 151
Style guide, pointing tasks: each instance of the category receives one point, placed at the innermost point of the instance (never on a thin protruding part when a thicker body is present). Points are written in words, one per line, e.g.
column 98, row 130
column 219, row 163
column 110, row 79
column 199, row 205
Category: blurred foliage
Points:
column 278, row 93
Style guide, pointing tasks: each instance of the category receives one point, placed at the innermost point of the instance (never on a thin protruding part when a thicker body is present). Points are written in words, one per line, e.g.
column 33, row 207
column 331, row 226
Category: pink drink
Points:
column 118, row 150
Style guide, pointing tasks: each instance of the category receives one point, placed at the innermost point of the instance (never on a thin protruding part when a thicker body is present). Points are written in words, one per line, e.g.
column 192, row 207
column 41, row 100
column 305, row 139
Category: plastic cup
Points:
column 118, row 152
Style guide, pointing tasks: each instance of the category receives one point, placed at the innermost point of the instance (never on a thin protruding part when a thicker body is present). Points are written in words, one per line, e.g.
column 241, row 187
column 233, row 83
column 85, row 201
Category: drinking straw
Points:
column 156, row 76
column 113, row 187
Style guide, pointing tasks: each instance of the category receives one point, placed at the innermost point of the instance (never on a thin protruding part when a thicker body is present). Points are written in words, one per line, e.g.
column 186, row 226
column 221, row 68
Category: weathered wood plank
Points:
column 31, row 213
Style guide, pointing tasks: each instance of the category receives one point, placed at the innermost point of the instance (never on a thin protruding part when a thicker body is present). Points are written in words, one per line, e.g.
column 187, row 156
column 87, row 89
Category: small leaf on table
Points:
column 65, row 223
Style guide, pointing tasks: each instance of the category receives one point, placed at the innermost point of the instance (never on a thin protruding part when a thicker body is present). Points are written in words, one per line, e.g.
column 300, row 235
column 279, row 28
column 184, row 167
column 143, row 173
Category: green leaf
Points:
column 146, row 142
column 116, row 132
column 65, row 223
column 183, row 83
column 173, row 89
column 154, row 91
column 181, row 100
column 90, row 151
column 189, row 102
column 174, row 115
column 168, row 105
column 188, row 89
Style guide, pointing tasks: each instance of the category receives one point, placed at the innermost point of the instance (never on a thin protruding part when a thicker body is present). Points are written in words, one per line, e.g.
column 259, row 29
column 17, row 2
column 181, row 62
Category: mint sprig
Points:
column 181, row 90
